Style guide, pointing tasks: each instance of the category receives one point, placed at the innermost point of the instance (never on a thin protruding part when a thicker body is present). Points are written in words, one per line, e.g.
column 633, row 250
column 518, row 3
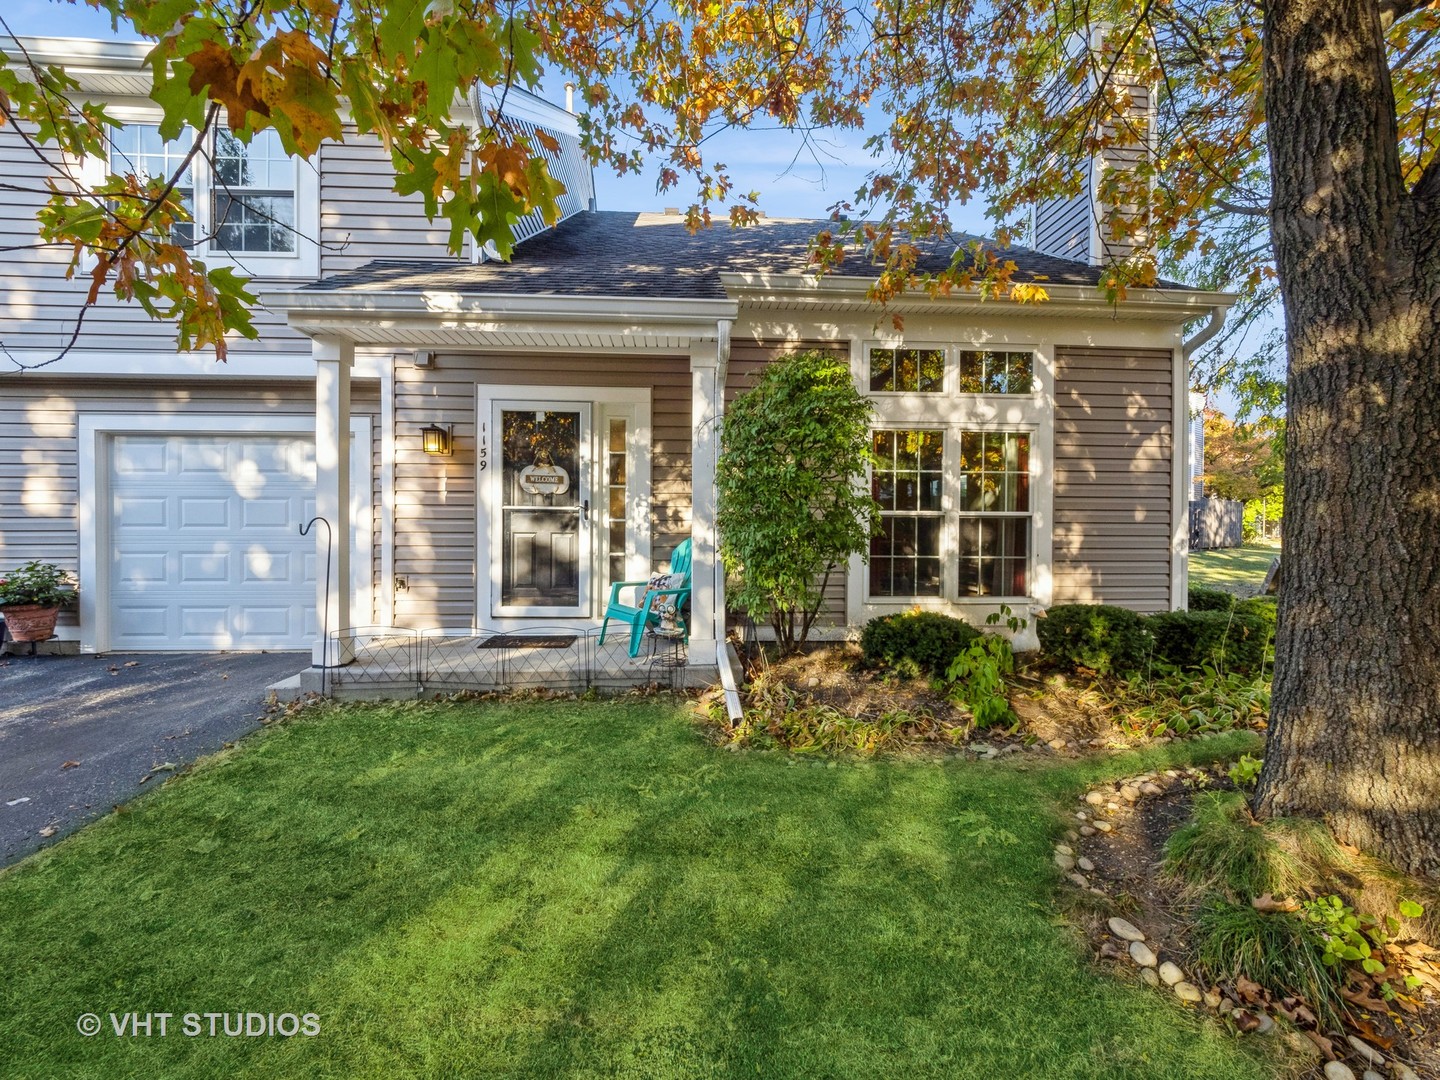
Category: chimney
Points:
column 1103, row 223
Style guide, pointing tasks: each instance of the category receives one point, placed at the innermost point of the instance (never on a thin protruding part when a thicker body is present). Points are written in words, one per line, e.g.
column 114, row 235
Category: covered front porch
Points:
column 575, row 446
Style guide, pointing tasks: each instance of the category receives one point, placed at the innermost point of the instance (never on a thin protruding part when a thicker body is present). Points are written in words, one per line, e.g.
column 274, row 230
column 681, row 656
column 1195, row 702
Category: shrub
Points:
column 789, row 512
column 1204, row 598
column 1234, row 640
column 39, row 583
column 915, row 642
column 1110, row 640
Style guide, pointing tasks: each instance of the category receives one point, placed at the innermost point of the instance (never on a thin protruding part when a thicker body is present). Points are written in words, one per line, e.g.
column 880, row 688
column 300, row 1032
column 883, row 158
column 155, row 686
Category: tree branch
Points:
column 1392, row 11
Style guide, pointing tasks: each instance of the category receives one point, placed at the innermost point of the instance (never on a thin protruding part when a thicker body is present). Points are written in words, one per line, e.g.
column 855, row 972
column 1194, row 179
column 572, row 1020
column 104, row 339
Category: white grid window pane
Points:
column 254, row 194
column 994, row 535
column 908, row 481
column 139, row 149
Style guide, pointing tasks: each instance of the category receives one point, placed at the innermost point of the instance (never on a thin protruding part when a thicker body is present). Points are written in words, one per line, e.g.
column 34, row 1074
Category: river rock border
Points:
column 1127, row 943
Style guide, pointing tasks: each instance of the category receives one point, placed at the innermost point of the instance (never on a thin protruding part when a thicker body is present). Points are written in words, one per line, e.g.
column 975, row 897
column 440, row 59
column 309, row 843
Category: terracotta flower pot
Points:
column 30, row 622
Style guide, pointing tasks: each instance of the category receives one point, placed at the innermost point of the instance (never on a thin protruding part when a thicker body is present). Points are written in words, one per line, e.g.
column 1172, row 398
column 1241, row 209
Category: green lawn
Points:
column 577, row 890
column 1238, row 570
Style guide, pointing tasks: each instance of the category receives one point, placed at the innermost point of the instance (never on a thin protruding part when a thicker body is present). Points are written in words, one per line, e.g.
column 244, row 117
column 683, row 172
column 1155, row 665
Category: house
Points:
column 1029, row 454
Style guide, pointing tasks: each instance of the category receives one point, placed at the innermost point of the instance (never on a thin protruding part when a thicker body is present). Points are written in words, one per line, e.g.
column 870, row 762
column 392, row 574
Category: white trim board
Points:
column 94, row 436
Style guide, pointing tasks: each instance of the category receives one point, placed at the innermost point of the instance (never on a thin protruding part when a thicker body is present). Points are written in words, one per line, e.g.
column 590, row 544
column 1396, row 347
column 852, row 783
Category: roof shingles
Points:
column 618, row 254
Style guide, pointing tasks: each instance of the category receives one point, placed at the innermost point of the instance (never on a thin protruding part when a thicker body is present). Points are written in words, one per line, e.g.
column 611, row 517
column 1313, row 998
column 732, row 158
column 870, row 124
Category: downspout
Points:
column 1187, row 350
column 1208, row 331
column 726, row 659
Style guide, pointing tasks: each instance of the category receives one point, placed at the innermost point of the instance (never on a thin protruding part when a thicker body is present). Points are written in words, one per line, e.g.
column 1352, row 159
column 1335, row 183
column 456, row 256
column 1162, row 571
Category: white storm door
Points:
column 205, row 550
column 540, row 544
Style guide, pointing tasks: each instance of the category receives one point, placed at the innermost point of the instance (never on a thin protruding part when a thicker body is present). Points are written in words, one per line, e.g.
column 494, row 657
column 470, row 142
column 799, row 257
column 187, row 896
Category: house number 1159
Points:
column 482, row 450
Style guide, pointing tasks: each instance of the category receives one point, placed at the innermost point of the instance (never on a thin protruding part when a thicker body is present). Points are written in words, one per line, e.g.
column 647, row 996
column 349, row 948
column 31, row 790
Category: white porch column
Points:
column 333, row 361
column 707, row 387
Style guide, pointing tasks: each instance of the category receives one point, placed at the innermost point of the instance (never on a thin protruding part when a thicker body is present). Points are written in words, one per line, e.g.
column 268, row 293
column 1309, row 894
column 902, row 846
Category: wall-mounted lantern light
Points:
column 438, row 440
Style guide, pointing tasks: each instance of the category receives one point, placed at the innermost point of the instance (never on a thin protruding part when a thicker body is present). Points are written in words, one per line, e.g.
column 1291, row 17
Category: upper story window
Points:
column 996, row 371
column 251, row 203
column 138, row 148
column 907, row 371
column 253, row 194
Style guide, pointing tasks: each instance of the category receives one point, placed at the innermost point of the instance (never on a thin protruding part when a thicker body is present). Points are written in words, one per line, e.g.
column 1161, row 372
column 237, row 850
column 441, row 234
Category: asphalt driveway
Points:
column 79, row 734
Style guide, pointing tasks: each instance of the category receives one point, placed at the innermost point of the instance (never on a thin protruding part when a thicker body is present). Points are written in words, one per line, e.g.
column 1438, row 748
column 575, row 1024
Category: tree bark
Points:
column 1355, row 721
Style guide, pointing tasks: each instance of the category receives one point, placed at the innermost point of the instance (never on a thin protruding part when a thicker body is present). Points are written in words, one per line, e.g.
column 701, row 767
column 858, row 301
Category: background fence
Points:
column 1215, row 523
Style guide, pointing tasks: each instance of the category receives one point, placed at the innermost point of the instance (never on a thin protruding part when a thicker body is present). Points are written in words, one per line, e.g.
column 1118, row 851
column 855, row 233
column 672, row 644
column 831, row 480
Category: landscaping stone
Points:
column 1097, row 892
column 1303, row 1047
column 1213, row 999
column 1141, row 954
column 1365, row 1050
column 1170, row 974
column 1086, row 830
column 1112, row 806
column 1152, row 789
column 1130, row 793
column 1188, row 992
column 1104, row 826
column 1267, row 1025
column 1071, row 835
column 1338, row 1070
column 1110, row 950
column 1125, row 930
column 1094, row 798
column 1081, row 815
column 1402, row 1071
column 1085, row 864
column 1057, row 744
column 1065, row 862
column 1171, row 774
column 1148, row 977
column 1079, row 879
column 1371, row 1074
column 1064, row 849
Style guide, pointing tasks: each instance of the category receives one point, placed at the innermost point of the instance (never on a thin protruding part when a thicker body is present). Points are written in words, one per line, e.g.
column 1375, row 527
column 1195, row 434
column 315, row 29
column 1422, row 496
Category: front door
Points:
column 543, row 524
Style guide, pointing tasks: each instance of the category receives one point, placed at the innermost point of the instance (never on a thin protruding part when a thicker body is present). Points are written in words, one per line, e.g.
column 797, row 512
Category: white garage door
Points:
column 206, row 550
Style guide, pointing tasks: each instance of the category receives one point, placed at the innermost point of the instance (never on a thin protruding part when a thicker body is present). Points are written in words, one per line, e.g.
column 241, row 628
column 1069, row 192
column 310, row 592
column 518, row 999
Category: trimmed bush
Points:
column 1233, row 640
column 1204, row 598
column 915, row 642
column 1109, row 640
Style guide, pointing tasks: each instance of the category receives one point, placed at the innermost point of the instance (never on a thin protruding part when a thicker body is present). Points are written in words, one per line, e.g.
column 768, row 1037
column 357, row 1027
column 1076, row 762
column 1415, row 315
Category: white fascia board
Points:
column 82, row 53
column 301, row 306
column 151, row 365
column 1064, row 299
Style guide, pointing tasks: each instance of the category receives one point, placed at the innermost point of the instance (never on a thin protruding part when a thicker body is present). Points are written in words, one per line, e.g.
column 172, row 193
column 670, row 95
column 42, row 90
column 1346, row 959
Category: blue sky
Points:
column 795, row 179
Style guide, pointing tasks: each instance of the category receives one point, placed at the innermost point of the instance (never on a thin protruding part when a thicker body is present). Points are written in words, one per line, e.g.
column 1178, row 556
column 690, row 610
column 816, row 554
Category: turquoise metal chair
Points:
column 649, row 601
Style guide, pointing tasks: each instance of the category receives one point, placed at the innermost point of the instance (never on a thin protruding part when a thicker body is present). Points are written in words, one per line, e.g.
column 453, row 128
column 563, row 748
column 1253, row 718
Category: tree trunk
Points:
column 1355, row 722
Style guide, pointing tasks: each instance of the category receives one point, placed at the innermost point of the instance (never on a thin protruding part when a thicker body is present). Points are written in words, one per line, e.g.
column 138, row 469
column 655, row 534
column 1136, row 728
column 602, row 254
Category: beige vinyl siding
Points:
column 361, row 217
column 1114, row 449
column 435, row 497
column 747, row 360
column 41, row 306
column 39, row 447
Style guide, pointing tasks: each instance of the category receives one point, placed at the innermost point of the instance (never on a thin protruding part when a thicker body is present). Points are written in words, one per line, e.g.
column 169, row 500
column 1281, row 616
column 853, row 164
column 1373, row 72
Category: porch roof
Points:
column 615, row 254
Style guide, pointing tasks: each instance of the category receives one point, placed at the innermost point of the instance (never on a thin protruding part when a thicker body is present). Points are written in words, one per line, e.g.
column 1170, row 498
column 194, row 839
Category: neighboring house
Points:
column 1029, row 453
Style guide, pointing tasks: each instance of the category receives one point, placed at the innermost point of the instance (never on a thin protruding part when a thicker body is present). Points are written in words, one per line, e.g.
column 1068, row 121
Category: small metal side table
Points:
column 668, row 654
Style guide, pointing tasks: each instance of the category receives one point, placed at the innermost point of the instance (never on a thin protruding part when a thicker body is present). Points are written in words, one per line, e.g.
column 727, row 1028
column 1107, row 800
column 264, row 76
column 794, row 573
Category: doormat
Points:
column 521, row 641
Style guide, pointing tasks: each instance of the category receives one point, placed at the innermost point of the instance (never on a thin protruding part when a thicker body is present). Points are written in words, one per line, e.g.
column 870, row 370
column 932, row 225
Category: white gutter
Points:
column 437, row 303
column 1208, row 331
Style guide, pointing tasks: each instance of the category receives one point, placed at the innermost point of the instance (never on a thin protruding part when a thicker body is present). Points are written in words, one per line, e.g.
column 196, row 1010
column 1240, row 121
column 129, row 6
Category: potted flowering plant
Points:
column 31, row 597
